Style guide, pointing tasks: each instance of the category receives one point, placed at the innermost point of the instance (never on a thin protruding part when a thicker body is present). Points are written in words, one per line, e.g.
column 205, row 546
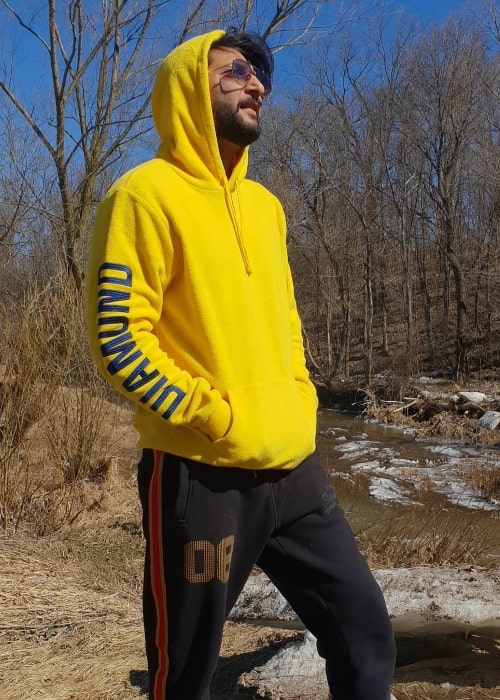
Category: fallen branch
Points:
column 407, row 405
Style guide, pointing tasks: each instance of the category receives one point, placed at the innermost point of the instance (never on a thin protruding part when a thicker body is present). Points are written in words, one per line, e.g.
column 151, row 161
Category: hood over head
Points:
column 182, row 113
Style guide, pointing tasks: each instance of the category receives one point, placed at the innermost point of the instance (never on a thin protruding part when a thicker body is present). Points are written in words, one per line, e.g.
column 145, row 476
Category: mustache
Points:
column 251, row 102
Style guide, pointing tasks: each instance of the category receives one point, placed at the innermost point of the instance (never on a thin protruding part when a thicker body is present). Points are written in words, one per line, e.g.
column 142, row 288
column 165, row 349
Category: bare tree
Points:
column 386, row 162
column 446, row 70
column 98, row 100
column 99, row 59
column 364, row 116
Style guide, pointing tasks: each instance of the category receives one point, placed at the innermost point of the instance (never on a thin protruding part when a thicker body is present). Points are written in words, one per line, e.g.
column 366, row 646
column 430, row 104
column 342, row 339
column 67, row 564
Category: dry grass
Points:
column 95, row 662
column 432, row 417
column 61, row 468
column 55, row 422
column 71, row 610
column 71, row 624
column 60, row 583
column 486, row 479
column 77, row 446
column 405, row 542
column 459, row 428
column 431, row 691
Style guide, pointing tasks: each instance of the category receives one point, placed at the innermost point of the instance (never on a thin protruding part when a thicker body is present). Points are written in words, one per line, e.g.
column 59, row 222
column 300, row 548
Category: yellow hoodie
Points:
column 191, row 310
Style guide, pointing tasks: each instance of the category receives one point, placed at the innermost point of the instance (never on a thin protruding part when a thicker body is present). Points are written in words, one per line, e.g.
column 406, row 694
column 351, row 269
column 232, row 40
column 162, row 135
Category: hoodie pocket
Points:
column 270, row 423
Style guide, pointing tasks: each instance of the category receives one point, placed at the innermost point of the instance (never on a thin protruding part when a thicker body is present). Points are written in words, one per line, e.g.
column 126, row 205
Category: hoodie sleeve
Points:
column 130, row 267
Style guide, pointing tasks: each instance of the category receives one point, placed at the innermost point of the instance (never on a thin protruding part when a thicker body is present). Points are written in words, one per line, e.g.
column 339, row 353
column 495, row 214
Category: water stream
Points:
column 387, row 473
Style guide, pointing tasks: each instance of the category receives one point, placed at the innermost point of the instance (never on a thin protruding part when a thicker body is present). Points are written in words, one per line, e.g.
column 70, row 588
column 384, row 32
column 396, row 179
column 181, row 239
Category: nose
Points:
column 254, row 86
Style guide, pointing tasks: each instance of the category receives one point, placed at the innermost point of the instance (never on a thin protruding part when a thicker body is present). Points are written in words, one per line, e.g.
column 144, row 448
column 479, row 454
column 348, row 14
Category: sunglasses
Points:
column 241, row 72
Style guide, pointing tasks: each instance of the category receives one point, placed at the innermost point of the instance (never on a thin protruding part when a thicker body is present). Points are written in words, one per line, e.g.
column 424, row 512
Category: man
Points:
column 192, row 315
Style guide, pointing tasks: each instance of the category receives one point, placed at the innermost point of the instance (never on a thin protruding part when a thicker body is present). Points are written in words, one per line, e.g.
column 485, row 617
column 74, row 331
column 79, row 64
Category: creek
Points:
column 388, row 477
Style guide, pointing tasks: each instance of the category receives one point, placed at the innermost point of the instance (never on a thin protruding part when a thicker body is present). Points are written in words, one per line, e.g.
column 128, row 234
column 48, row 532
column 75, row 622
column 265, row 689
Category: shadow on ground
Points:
column 459, row 659
column 225, row 681
column 139, row 679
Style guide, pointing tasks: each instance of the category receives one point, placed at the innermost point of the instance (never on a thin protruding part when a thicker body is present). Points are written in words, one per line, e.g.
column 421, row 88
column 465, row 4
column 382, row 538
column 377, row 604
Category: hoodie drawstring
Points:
column 238, row 225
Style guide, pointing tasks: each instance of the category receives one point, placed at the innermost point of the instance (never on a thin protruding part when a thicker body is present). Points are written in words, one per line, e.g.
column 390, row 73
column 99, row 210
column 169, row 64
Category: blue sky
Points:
column 429, row 10
column 31, row 69
column 425, row 12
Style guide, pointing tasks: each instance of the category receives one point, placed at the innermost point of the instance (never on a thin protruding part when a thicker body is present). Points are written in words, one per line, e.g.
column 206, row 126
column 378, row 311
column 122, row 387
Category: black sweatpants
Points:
column 206, row 528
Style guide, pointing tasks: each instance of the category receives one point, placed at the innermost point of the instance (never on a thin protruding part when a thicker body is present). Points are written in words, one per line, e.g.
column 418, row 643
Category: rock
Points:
column 472, row 396
column 419, row 599
column 261, row 600
column 443, row 593
column 464, row 596
column 296, row 668
column 437, row 396
column 296, row 671
column 489, row 420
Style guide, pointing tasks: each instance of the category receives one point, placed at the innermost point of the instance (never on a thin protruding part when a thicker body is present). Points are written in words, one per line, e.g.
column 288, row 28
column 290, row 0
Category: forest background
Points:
column 382, row 140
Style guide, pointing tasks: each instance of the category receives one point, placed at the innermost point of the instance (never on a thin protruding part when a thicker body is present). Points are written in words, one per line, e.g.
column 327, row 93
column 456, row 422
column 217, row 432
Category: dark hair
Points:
column 251, row 45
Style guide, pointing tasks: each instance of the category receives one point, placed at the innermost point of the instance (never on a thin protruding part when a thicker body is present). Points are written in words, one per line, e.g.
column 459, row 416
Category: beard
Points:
column 229, row 125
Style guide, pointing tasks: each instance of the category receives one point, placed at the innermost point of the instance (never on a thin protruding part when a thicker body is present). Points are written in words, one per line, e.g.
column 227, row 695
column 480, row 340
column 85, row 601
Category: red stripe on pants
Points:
column 158, row 577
